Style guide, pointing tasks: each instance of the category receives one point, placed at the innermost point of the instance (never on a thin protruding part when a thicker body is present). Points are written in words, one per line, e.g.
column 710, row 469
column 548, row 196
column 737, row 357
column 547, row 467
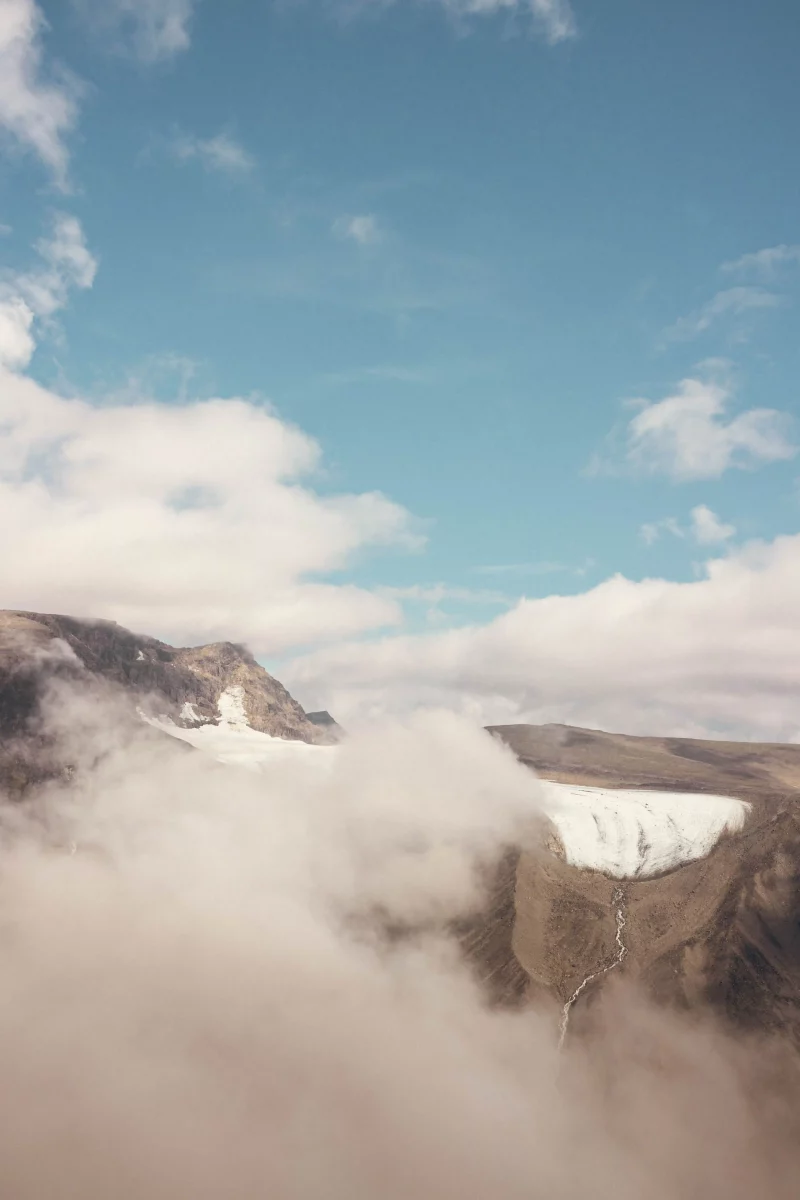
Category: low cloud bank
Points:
column 719, row 656
column 202, row 1000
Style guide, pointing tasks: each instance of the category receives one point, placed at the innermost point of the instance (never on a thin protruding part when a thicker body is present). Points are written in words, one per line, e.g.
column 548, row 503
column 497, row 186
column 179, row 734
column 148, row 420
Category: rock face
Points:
column 182, row 684
column 330, row 731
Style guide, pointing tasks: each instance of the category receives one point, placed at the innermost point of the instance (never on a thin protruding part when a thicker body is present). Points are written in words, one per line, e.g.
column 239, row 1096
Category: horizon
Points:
column 443, row 357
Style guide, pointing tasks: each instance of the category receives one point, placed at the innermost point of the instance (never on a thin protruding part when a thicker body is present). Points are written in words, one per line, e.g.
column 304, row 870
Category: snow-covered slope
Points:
column 634, row 834
column 623, row 833
column 232, row 740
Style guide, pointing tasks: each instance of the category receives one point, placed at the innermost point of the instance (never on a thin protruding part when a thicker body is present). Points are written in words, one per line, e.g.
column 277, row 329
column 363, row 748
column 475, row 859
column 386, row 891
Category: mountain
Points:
column 180, row 685
column 720, row 931
column 671, row 862
column 328, row 727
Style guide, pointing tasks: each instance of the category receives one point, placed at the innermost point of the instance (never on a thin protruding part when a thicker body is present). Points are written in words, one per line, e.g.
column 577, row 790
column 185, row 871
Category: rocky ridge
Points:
column 181, row 684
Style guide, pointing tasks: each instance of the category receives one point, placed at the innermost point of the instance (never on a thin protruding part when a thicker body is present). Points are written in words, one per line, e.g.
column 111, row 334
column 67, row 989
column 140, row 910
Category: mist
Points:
column 218, row 983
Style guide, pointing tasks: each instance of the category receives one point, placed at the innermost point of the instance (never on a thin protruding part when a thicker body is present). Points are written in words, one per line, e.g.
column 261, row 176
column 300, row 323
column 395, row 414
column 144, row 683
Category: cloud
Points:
column 686, row 436
column 764, row 262
column 707, row 527
column 732, row 302
column 35, row 111
column 244, row 986
column 363, row 229
column 554, row 19
column 220, row 153
column 718, row 655
column 651, row 531
column 521, row 569
column 40, row 293
column 152, row 30
column 189, row 520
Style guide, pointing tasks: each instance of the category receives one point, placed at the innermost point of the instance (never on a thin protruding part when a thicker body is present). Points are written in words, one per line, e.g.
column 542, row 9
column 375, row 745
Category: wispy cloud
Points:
column 705, row 528
column 364, row 229
column 382, row 373
column 651, row 531
column 687, row 436
column 553, row 19
column 151, row 30
column 522, row 569
column 220, row 153
column 764, row 262
column 436, row 593
column 38, row 294
column 36, row 111
column 731, row 302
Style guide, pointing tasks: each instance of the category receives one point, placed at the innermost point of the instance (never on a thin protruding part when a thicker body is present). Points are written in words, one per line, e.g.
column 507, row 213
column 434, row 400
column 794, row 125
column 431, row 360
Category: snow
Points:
column 628, row 833
column 234, row 741
column 140, row 656
column 231, row 708
column 188, row 713
column 623, row 832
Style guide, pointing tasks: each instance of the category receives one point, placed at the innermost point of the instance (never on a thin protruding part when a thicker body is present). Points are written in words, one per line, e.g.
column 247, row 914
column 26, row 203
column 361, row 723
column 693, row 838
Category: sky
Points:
column 446, row 353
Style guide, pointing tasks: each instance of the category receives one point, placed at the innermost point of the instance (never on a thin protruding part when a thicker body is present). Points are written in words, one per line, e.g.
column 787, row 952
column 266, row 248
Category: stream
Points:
column 622, row 950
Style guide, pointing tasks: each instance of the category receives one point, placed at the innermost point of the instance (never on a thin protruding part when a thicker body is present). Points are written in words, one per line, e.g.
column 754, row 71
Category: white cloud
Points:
column 16, row 332
column 707, row 527
column 220, row 153
column 553, row 18
column 39, row 294
column 363, row 229
column 686, row 436
column 717, row 655
column 37, row 112
column 190, row 521
column 732, row 302
column 153, row 30
column 766, row 261
column 521, row 569
column 651, row 531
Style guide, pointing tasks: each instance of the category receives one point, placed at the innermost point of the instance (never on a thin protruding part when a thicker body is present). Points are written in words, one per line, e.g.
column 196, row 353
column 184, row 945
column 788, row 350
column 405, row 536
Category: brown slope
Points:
column 592, row 757
column 722, row 932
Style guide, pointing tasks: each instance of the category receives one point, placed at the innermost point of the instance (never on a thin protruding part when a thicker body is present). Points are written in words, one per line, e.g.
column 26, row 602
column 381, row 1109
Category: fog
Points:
column 220, row 984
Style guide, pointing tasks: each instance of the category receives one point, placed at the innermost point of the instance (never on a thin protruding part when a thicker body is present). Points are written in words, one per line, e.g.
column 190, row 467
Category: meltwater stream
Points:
column 622, row 950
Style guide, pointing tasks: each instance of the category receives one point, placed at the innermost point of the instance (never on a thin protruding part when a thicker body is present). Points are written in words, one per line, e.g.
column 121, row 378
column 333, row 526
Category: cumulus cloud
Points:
column 364, row 229
column 220, row 153
column 38, row 294
column 188, row 520
column 687, row 436
column 36, row 111
column 717, row 655
column 732, row 302
column 764, row 262
column 707, row 527
column 153, row 30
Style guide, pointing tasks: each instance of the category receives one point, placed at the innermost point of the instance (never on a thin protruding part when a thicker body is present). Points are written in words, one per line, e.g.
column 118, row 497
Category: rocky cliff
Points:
column 183, row 684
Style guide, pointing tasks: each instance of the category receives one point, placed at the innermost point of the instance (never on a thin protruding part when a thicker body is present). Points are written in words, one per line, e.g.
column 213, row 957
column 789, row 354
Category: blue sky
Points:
column 452, row 248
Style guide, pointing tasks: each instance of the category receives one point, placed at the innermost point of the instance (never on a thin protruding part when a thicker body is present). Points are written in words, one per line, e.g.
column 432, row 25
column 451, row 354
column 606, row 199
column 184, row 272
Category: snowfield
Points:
column 234, row 741
column 627, row 834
